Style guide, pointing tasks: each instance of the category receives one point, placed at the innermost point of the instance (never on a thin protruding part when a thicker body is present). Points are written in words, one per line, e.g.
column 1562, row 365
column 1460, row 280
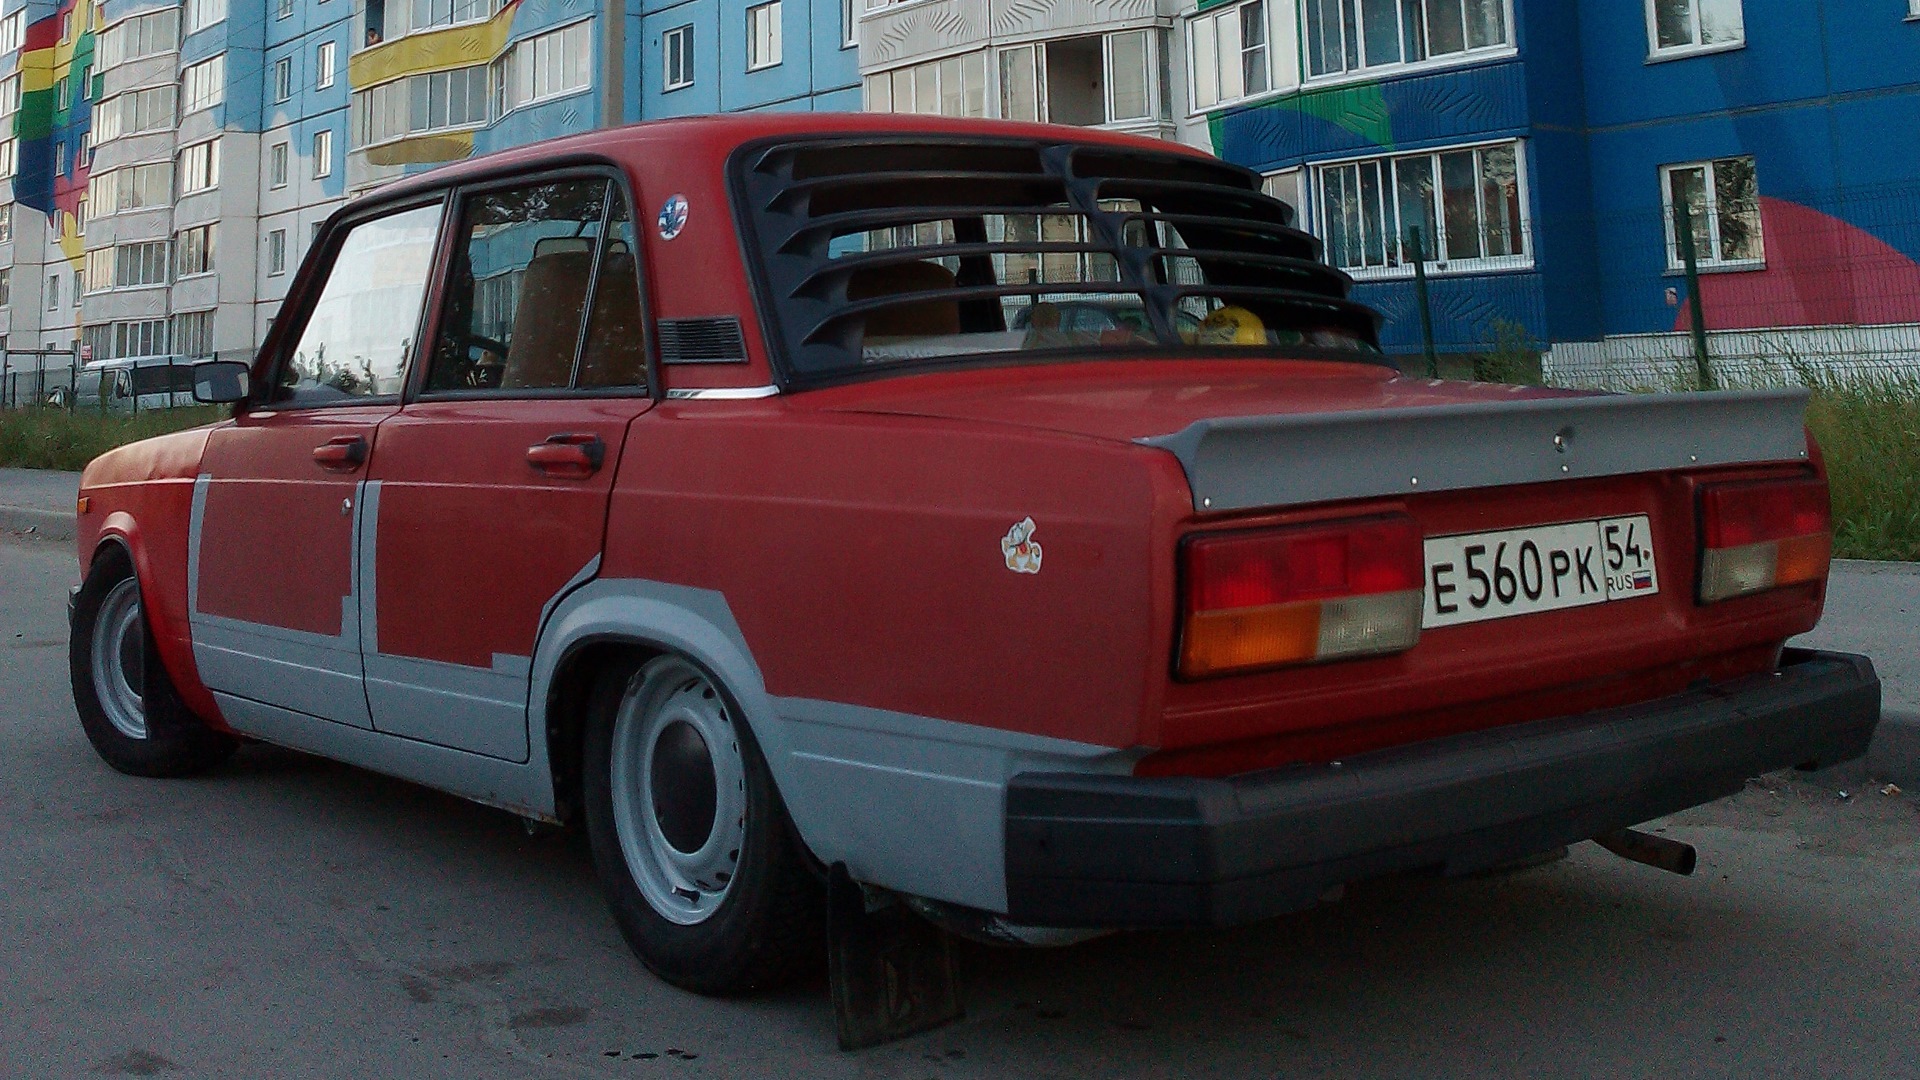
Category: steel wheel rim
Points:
column 119, row 659
column 656, row 778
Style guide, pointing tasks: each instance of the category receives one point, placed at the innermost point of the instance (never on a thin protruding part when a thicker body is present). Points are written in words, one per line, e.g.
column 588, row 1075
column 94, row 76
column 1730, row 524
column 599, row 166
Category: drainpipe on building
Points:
column 613, row 92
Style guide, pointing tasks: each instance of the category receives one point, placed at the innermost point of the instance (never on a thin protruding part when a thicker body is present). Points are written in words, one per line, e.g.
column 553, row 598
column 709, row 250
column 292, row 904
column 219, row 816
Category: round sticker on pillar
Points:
column 673, row 217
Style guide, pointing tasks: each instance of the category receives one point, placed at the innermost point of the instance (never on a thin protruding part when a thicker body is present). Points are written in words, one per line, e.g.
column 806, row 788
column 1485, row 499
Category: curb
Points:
column 1895, row 754
column 42, row 524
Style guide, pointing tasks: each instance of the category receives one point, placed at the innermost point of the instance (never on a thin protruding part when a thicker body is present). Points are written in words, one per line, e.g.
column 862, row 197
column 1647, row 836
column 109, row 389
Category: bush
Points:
column 51, row 438
column 1870, row 432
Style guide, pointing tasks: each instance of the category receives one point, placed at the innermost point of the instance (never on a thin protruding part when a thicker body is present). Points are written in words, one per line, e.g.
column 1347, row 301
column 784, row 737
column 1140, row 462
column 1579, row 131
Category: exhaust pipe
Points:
column 1655, row 851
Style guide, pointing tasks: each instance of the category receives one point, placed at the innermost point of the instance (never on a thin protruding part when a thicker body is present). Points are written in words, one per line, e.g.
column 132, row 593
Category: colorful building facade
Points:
column 164, row 166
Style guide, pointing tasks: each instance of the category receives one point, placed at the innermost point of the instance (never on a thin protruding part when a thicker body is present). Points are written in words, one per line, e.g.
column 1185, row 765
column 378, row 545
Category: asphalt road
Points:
column 290, row 917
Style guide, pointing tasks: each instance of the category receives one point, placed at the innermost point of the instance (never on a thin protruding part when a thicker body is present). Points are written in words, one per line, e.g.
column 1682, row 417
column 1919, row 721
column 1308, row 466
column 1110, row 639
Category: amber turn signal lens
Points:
column 85, row 504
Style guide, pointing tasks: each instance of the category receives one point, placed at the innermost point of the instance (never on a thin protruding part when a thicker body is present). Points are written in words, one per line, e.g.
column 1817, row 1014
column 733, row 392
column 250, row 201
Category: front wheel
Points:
column 127, row 704
column 701, row 867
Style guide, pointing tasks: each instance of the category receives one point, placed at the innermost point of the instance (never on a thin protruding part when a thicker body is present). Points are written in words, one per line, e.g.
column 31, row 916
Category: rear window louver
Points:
column 716, row 340
column 799, row 202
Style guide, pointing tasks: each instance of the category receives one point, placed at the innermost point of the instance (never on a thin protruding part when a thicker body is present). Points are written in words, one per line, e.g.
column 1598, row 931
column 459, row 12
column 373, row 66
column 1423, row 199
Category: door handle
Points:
column 571, row 455
column 344, row 453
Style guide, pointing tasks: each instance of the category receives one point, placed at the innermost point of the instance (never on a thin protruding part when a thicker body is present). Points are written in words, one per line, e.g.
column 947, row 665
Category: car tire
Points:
column 703, row 870
column 127, row 702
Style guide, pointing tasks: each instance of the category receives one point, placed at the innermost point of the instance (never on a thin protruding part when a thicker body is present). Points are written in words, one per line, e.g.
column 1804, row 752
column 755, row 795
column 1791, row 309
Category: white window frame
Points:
column 1315, row 193
column 764, row 51
column 283, row 80
column 182, row 246
column 1697, row 47
column 276, row 252
column 681, row 38
column 277, row 155
column 323, row 65
column 323, row 153
column 212, row 74
column 850, row 23
column 537, row 69
column 1210, row 66
column 204, row 13
column 1709, row 260
column 13, row 31
column 1152, row 82
column 283, row 9
column 209, row 152
column 980, row 60
column 1470, row 54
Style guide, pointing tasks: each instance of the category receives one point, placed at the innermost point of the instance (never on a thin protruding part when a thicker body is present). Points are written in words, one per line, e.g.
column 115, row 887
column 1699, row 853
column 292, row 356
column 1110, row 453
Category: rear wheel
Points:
column 127, row 704
column 701, row 867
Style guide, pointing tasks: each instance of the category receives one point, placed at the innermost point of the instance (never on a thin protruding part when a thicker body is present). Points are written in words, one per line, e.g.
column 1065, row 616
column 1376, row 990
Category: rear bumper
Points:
column 1103, row 851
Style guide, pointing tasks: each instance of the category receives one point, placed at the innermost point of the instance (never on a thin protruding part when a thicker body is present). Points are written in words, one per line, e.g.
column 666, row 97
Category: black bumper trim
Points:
column 1102, row 851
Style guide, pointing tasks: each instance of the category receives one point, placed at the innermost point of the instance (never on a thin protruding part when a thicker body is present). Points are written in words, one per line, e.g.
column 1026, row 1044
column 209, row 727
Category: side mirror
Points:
column 220, row 382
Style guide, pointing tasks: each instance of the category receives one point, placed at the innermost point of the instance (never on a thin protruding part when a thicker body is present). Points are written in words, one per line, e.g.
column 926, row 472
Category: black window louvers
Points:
column 712, row 340
column 794, row 198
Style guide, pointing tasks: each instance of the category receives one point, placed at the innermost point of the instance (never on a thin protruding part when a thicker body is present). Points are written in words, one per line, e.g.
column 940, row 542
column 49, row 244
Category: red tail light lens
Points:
column 1763, row 535
column 1295, row 596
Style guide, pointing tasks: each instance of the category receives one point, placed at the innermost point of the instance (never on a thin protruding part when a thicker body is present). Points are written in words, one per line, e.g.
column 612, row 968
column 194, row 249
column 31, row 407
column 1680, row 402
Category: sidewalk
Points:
column 39, row 501
column 1872, row 608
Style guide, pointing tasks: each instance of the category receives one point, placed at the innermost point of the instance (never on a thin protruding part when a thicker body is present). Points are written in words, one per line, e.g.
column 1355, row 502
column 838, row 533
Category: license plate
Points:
column 1495, row 575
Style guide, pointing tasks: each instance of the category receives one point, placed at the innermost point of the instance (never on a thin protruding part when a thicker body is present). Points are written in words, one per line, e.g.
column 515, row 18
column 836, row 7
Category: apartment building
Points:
column 1529, row 152
column 165, row 166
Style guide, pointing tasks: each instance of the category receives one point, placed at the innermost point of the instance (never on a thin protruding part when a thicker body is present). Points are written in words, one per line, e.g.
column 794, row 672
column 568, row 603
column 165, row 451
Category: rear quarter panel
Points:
column 861, row 556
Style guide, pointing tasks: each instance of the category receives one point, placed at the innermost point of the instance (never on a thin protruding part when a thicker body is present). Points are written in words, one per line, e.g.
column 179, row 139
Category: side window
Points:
column 359, row 333
column 522, row 284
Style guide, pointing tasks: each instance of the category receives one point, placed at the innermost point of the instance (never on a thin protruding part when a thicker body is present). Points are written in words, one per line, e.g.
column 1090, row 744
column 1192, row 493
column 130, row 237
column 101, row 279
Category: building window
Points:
column 276, row 252
column 323, row 65
column 13, row 30
column 199, row 167
column 6, row 222
column 1020, row 85
column 1465, row 208
column 420, row 103
column 136, row 188
column 204, row 13
column 955, row 86
column 9, row 95
column 322, row 153
column 676, row 57
column 277, row 165
column 99, row 269
column 1228, row 54
column 850, row 23
column 79, row 217
column 1678, row 27
column 282, row 79
column 134, row 112
column 204, row 84
column 763, row 35
column 6, row 287
column 86, row 83
column 134, row 265
column 1723, row 204
column 547, row 66
column 148, row 337
column 1086, row 81
column 427, row 14
column 60, row 99
column 53, row 292
column 141, row 35
column 9, row 158
column 283, row 10
column 193, row 334
column 62, row 164
column 1352, row 35
column 194, row 250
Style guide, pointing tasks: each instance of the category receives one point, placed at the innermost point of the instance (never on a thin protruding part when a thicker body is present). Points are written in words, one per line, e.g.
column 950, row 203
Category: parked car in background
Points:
column 134, row 384
column 764, row 494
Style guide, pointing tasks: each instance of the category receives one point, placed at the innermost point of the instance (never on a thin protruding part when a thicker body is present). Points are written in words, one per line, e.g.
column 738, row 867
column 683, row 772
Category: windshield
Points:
column 895, row 252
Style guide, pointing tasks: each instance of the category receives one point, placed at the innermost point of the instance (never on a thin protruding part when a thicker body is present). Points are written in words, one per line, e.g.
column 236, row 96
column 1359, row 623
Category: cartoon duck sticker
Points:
column 1021, row 549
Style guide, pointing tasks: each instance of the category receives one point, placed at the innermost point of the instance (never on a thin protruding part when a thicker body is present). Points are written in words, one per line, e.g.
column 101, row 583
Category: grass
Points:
column 1870, row 432
column 45, row 438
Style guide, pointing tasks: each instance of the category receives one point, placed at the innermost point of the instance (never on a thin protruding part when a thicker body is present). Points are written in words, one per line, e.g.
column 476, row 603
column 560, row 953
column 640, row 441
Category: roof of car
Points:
column 729, row 130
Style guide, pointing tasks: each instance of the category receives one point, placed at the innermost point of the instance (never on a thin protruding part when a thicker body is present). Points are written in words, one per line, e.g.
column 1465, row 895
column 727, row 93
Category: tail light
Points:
column 1763, row 535
column 1299, row 596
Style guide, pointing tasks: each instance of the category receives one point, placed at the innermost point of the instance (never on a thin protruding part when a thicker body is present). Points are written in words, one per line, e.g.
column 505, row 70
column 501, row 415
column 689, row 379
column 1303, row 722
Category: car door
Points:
column 274, row 605
column 488, row 492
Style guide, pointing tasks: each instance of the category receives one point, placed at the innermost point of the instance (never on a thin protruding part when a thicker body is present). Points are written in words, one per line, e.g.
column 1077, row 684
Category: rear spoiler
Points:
column 1237, row 463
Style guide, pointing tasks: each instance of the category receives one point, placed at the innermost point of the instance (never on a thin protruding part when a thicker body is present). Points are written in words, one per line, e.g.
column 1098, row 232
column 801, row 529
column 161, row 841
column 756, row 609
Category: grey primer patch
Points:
column 1241, row 462
column 136, row 1063
column 908, row 802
